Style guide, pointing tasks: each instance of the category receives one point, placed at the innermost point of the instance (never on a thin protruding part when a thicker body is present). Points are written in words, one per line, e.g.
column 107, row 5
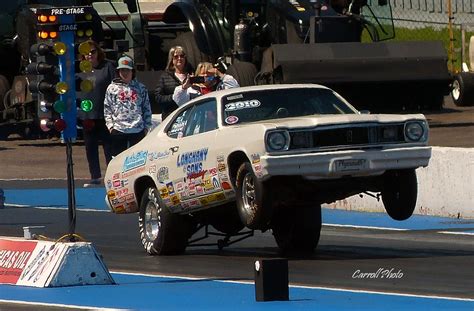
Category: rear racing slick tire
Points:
column 297, row 229
column 463, row 89
column 253, row 198
column 399, row 193
column 161, row 232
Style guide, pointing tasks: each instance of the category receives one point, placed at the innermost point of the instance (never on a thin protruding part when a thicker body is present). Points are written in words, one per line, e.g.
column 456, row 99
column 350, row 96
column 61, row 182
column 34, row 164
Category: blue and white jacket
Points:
column 127, row 107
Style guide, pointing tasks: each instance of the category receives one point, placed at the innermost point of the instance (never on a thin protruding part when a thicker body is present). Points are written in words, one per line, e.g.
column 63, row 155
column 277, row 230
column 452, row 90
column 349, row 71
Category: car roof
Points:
column 222, row 93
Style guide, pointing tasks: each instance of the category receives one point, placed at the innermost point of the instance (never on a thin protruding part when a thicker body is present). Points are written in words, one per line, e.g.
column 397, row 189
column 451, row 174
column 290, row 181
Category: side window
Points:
column 176, row 129
column 203, row 118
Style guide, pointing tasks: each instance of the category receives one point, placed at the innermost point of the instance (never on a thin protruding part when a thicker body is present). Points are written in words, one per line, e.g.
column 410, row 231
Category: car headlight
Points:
column 278, row 141
column 415, row 131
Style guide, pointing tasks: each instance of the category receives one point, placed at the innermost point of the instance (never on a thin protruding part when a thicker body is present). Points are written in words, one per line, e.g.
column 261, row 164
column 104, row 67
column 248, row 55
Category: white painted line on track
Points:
column 300, row 286
column 365, row 227
column 55, row 207
column 56, row 305
column 457, row 233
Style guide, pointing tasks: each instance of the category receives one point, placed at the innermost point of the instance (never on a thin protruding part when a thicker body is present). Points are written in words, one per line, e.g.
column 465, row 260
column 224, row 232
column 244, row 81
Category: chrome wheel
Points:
column 456, row 91
column 152, row 220
column 248, row 194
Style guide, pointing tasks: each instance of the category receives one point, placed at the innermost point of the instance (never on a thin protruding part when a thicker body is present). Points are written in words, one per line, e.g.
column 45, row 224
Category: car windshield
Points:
column 254, row 106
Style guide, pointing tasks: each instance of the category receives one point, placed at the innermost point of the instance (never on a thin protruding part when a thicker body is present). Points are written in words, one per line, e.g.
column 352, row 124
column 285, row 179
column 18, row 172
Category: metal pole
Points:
column 70, row 191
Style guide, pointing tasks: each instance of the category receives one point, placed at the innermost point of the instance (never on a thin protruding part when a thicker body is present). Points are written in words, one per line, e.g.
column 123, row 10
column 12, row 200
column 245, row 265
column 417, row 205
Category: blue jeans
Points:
column 92, row 139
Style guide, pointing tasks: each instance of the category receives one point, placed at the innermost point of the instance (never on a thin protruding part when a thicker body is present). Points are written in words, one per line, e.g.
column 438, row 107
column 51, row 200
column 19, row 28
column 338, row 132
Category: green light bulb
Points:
column 86, row 105
column 59, row 106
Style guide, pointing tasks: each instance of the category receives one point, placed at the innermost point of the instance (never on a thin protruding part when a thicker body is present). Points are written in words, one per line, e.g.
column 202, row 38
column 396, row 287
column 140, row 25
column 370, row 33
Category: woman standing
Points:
column 93, row 123
column 174, row 74
column 127, row 108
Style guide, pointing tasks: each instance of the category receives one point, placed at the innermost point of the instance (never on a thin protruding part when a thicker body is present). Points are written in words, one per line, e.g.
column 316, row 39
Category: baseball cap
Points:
column 125, row 62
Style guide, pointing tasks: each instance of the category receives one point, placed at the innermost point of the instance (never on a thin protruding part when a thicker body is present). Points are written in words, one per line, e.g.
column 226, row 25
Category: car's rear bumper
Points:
column 344, row 163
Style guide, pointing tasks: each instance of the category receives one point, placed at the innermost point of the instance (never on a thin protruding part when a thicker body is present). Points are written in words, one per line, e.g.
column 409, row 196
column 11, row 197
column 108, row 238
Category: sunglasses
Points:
column 179, row 56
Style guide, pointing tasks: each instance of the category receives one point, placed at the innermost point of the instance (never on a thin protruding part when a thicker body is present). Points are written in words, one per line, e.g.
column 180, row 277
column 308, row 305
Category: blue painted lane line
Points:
column 140, row 292
column 93, row 199
column 86, row 198
column 382, row 220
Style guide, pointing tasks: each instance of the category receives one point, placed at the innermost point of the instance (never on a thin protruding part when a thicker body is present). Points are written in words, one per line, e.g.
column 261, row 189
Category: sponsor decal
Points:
column 196, row 175
column 221, row 167
column 42, row 264
column 152, row 169
column 175, row 199
column 135, row 160
column 212, row 198
column 133, row 172
column 231, row 120
column 245, row 104
column 213, row 171
column 109, row 183
column 170, row 188
column 117, row 184
column 14, row 256
column 192, row 161
column 130, row 197
column 124, row 182
column 164, row 192
column 226, row 185
column 152, row 156
column 115, row 176
column 208, row 186
column 215, row 182
column 163, row 174
column 220, row 158
column 119, row 209
column 180, row 186
column 238, row 96
column 255, row 158
column 111, row 194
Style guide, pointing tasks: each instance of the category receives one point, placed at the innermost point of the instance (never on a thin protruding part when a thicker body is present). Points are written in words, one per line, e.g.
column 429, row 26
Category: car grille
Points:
column 347, row 136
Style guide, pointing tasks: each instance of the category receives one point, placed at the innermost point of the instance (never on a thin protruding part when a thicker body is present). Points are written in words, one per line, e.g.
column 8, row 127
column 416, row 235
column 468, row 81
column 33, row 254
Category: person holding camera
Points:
column 207, row 79
column 176, row 71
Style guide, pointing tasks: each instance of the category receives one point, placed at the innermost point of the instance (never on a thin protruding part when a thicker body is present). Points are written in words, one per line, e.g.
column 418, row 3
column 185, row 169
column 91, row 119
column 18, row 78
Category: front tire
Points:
column 399, row 193
column 161, row 232
column 253, row 200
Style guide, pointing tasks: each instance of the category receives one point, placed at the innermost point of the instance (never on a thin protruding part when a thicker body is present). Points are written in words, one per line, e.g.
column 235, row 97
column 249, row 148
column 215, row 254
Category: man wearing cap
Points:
column 127, row 108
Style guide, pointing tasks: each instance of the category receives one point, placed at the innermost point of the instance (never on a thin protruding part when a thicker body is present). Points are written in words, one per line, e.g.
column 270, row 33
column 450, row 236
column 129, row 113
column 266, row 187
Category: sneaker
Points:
column 93, row 183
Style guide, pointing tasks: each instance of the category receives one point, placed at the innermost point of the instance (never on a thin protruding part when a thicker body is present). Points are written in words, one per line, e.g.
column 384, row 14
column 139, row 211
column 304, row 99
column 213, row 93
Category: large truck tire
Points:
column 4, row 87
column 463, row 89
column 243, row 72
column 193, row 54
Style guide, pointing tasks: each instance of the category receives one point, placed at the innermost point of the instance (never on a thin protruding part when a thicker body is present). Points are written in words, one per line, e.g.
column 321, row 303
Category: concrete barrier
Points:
column 445, row 187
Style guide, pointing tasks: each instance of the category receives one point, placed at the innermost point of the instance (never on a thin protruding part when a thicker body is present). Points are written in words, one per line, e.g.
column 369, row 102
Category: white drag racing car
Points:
column 264, row 157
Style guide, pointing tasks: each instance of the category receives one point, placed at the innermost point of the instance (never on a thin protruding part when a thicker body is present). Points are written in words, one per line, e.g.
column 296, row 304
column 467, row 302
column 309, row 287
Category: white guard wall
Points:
column 445, row 187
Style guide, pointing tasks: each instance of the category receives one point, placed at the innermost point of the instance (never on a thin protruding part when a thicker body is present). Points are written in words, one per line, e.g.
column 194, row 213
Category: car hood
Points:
column 323, row 120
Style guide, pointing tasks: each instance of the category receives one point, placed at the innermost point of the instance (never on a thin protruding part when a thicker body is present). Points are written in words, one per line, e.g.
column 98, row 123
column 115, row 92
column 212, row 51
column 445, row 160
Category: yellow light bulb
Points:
column 85, row 66
column 86, row 86
column 61, row 87
column 59, row 48
column 84, row 48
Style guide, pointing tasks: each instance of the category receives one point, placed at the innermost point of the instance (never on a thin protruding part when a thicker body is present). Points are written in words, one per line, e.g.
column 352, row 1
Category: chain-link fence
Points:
column 451, row 21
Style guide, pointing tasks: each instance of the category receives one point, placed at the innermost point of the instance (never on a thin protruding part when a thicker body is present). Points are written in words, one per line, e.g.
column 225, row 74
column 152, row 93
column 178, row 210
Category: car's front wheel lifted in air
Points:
column 253, row 198
column 161, row 232
column 399, row 193
column 297, row 229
